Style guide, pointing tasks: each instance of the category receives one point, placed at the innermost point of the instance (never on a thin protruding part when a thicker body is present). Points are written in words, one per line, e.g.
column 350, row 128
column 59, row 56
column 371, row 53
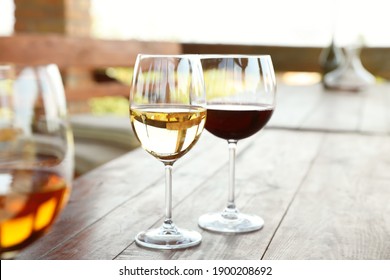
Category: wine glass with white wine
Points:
column 167, row 112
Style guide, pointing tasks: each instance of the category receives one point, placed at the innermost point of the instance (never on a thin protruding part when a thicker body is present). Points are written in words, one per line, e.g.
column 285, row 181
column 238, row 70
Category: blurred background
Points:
column 276, row 22
column 95, row 42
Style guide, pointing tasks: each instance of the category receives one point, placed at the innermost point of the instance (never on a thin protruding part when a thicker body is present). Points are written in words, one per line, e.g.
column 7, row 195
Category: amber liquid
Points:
column 235, row 122
column 30, row 201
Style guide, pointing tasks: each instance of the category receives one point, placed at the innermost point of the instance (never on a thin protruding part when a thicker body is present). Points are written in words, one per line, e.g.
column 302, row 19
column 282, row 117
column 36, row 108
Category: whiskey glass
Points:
column 36, row 154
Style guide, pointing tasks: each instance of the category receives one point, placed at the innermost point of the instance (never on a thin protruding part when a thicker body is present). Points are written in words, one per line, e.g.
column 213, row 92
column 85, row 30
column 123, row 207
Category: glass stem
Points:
column 231, row 211
column 168, row 224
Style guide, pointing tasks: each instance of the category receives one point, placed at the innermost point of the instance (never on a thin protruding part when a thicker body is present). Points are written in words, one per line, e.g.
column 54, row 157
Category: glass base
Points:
column 238, row 223
column 160, row 238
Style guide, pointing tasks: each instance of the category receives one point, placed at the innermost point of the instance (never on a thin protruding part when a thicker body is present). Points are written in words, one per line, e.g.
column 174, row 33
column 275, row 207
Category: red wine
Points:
column 235, row 122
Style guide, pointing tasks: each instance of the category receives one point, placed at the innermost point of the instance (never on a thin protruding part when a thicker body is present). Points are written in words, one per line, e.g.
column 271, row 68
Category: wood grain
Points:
column 311, row 108
column 87, row 52
column 294, row 104
column 342, row 210
column 100, row 192
column 97, row 90
column 106, row 237
column 320, row 185
column 295, row 58
column 66, row 51
column 375, row 115
column 265, row 186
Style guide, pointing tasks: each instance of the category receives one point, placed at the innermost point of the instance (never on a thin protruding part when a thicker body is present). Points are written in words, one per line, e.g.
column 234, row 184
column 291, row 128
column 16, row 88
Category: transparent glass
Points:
column 350, row 75
column 240, row 100
column 168, row 113
column 36, row 154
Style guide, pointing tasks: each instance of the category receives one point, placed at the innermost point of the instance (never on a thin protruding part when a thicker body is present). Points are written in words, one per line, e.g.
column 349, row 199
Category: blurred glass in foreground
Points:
column 36, row 154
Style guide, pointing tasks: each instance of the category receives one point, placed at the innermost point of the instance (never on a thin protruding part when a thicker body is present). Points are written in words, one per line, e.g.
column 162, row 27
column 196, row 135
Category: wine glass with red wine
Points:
column 240, row 93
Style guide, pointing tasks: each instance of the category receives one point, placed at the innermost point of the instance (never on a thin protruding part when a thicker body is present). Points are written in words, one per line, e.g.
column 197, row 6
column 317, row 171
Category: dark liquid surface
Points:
column 235, row 122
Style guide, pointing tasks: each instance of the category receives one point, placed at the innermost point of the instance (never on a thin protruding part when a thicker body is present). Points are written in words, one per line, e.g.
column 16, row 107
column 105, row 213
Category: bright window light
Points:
column 264, row 22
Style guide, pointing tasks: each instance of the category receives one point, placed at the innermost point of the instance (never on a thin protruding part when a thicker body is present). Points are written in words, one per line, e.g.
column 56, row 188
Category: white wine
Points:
column 167, row 131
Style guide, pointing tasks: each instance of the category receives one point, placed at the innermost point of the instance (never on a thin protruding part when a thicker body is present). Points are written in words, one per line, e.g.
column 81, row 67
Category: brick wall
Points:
column 78, row 17
column 69, row 17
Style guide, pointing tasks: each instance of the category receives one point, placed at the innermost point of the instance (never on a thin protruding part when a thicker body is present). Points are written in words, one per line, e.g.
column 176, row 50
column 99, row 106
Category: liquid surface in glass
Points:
column 167, row 131
column 30, row 200
column 236, row 121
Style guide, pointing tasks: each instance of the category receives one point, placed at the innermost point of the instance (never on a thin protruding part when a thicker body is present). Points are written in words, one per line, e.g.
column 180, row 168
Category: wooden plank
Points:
column 295, row 58
column 336, row 111
column 66, row 51
column 106, row 238
column 342, row 210
column 103, row 233
column 268, row 173
column 376, row 60
column 95, row 194
column 294, row 104
column 283, row 58
column 322, row 195
column 87, row 52
column 313, row 108
column 103, row 190
column 360, row 112
column 375, row 117
column 97, row 90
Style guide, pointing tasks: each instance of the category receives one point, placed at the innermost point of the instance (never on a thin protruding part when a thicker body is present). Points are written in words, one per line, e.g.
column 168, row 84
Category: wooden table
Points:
column 319, row 175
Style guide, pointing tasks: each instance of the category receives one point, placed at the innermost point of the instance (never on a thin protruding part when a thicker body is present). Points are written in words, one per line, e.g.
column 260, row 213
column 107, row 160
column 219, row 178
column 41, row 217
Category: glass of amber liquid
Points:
column 167, row 113
column 36, row 154
column 240, row 100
